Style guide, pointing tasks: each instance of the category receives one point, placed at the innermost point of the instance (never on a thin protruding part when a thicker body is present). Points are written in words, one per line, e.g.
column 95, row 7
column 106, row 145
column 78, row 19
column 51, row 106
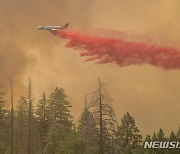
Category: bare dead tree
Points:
column 29, row 114
column 101, row 107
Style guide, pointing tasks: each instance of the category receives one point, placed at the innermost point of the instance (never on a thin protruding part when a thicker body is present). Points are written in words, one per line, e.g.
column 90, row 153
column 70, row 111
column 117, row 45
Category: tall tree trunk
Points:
column 16, row 143
column 101, row 121
column 54, row 124
column 127, row 134
column 44, row 125
column 12, row 120
column 30, row 114
column 53, row 141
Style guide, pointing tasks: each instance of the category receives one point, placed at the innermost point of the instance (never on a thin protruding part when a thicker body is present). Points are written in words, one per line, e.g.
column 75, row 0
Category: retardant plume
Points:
column 120, row 48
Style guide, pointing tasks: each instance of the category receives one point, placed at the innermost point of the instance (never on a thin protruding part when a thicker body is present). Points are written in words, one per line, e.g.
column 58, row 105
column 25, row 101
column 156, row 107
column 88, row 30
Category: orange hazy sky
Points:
column 150, row 94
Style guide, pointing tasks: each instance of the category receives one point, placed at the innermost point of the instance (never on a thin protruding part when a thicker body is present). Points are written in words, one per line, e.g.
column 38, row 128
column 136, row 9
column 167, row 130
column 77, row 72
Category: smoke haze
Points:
column 150, row 94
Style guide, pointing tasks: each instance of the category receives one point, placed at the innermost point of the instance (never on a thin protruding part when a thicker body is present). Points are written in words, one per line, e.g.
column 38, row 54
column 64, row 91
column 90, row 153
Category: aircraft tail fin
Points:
column 66, row 25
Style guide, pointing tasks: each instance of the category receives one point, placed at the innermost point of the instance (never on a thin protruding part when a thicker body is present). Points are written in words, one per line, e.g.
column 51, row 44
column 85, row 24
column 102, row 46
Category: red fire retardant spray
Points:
column 118, row 50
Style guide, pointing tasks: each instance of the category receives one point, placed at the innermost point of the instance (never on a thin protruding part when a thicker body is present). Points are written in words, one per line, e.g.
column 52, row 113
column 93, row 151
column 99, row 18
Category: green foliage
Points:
column 42, row 119
column 59, row 108
column 61, row 140
column 178, row 134
column 3, row 123
column 61, row 123
column 21, row 129
column 147, row 139
column 161, row 135
column 2, row 105
column 128, row 134
column 88, row 133
column 172, row 137
column 154, row 137
column 53, row 131
column 130, row 149
column 21, row 125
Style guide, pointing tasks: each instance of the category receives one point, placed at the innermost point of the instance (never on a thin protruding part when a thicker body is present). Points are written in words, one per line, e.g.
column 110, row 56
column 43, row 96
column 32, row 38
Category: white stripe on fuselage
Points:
column 48, row 27
column 51, row 27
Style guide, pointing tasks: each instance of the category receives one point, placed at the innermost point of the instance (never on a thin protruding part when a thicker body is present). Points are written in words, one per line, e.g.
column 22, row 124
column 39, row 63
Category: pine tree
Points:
column 21, row 125
column 7, row 132
column 161, row 135
column 147, row 139
column 33, row 145
column 12, row 120
column 3, row 127
column 21, row 129
column 178, row 134
column 42, row 118
column 61, row 122
column 128, row 133
column 154, row 137
column 59, row 108
column 173, row 138
column 87, row 132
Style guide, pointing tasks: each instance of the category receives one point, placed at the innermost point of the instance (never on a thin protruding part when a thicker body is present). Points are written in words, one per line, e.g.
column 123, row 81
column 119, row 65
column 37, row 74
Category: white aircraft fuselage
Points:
column 48, row 27
column 52, row 27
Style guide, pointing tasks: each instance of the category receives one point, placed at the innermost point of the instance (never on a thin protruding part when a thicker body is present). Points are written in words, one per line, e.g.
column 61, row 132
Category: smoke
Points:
column 21, row 46
column 25, row 51
column 121, row 48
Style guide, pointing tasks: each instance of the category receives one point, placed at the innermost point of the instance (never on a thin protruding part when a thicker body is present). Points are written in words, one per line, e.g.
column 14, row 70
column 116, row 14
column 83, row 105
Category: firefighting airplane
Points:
column 52, row 27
